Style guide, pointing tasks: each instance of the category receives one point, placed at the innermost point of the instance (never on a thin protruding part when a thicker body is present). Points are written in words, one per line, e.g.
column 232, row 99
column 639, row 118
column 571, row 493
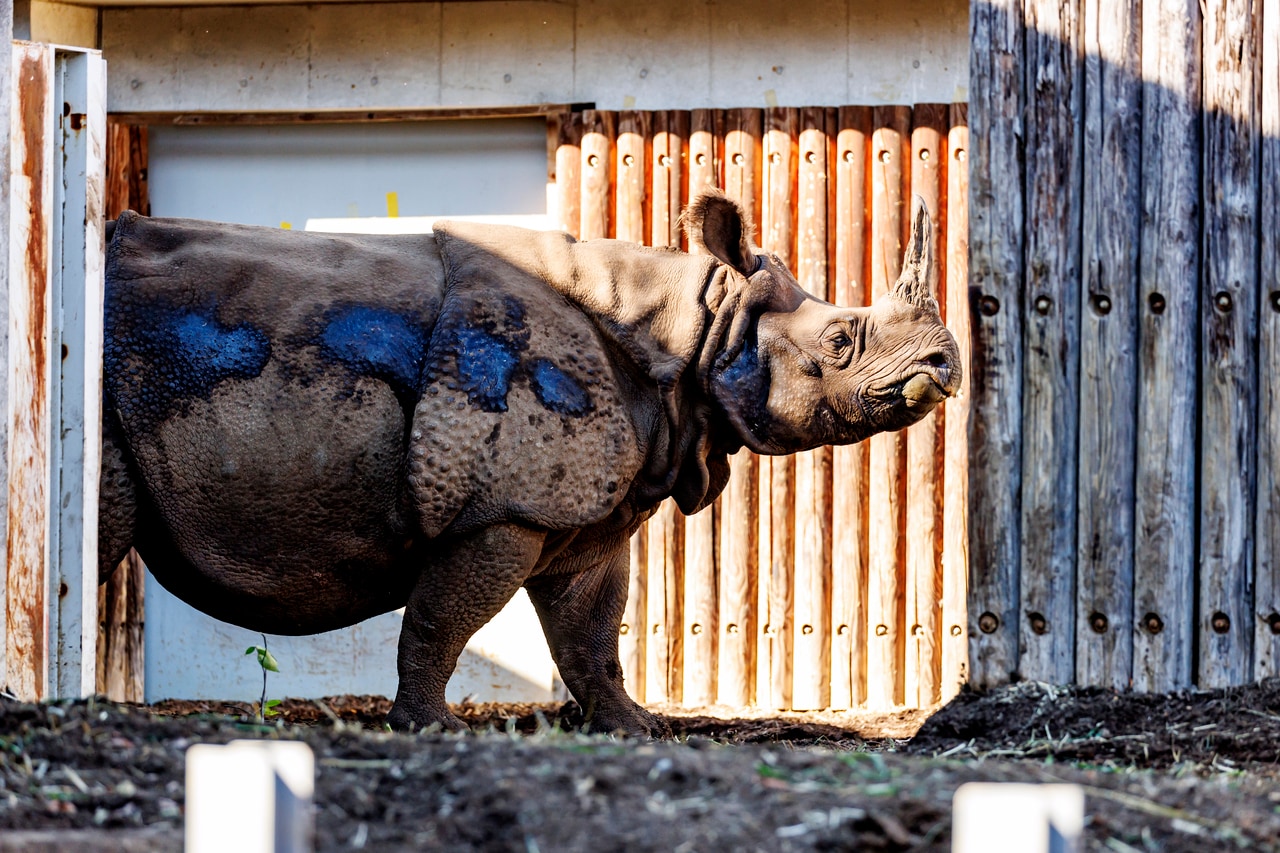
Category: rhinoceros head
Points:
column 793, row 372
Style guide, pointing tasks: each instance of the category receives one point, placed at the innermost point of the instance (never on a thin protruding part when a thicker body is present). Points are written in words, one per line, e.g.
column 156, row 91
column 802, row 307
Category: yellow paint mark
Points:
column 287, row 226
column 629, row 102
column 393, row 205
column 770, row 98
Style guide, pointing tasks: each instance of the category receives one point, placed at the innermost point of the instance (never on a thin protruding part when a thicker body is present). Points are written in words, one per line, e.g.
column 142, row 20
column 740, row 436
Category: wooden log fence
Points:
column 1124, row 525
column 798, row 589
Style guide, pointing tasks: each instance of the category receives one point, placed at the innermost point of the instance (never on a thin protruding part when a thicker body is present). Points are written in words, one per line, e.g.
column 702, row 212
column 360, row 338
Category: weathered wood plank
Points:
column 569, row 173
column 777, row 234
column 630, row 169
column 6, row 102
column 1108, row 341
column 1051, row 307
column 886, row 581
column 996, row 40
column 1267, row 590
column 1168, row 344
column 701, row 608
column 955, row 533
column 811, row 680
column 1228, row 360
column 739, row 581
column 922, row 673
column 850, row 285
column 31, row 209
column 599, row 131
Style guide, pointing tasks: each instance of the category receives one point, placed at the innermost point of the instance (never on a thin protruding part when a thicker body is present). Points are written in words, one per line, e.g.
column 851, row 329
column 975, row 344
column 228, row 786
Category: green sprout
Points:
column 266, row 660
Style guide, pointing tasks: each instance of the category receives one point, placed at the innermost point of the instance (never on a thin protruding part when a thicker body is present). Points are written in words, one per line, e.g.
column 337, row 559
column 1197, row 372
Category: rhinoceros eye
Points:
column 836, row 344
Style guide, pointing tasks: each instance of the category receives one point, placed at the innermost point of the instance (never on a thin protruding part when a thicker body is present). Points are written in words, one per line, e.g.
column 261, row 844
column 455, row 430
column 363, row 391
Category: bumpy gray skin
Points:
column 303, row 431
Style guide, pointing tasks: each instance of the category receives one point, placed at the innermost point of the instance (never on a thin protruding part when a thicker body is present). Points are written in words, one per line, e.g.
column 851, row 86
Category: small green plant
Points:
column 266, row 660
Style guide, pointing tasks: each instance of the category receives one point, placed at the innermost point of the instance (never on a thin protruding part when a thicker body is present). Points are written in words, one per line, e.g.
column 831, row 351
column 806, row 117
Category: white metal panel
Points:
column 270, row 175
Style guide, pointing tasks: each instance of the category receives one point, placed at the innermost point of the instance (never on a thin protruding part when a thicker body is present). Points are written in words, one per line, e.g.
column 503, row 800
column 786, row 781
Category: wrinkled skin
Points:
column 303, row 431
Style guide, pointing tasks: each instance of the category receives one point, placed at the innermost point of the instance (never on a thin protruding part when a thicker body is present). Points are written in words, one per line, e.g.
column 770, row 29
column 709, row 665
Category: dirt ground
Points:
column 1188, row 771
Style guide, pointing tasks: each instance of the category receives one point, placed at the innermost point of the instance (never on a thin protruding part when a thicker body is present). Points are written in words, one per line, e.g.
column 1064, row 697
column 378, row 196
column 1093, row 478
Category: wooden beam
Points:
column 1267, row 590
column 218, row 118
column 599, row 132
column 1168, row 344
column 955, row 534
column 996, row 39
column 851, row 287
column 1228, row 355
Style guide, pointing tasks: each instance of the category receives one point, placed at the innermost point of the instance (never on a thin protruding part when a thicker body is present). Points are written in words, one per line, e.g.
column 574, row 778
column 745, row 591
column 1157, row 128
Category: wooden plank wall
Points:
column 1126, row 296
column 798, row 589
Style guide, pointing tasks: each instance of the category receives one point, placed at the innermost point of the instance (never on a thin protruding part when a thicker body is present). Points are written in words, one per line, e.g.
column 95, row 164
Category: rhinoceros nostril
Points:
column 937, row 360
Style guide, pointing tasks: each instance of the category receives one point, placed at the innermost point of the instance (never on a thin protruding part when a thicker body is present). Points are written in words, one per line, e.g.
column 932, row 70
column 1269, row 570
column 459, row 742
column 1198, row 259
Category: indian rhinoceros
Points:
column 306, row 430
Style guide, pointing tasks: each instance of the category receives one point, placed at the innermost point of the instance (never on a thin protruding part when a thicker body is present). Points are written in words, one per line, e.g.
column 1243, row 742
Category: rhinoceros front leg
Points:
column 580, row 614
column 460, row 589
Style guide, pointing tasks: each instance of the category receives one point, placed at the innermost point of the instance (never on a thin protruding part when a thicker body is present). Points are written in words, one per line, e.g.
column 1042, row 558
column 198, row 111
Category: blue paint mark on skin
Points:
column 379, row 343
column 157, row 359
column 557, row 390
column 486, row 363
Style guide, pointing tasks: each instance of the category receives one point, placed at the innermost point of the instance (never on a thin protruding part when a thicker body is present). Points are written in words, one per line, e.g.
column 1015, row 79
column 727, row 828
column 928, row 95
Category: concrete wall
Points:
column 60, row 23
column 656, row 55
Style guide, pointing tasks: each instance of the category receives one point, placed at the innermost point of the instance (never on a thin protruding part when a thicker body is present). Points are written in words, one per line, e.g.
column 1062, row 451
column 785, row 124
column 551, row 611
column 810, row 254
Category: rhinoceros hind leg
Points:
column 117, row 501
column 580, row 614
column 461, row 588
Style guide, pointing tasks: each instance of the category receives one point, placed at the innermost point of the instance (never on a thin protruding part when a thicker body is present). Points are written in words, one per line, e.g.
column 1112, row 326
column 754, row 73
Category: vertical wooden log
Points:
column 1228, row 360
column 1168, row 343
column 996, row 39
column 886, row 604
column 922, row 674
column 811, row 684
column 1267, row 591
column 1051, row 306
column 631, row 198
column 778, row 236
column 569, row 173
column 598, row 137
column 1108, row 342
column 852, row 269
column 668, row 153
column 739, row 568
column 6, row 127
column 31, row 209
column 631, row 633
column 955, row 534
column 121, row 606
column 664, row 680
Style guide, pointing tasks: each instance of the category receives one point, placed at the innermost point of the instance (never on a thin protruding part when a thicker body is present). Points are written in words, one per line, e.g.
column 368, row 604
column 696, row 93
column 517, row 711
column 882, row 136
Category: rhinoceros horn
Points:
column 915, row 284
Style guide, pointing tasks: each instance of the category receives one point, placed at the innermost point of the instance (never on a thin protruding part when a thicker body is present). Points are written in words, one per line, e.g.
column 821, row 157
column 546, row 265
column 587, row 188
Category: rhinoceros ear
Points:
column 717, row 225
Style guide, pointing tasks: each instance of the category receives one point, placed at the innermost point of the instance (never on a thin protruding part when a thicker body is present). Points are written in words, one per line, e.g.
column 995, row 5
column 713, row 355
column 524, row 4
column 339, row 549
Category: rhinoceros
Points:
column 304, row 430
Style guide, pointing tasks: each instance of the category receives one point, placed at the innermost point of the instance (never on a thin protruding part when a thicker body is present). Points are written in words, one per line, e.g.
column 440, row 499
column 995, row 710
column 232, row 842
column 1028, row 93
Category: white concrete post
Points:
column 250, row 796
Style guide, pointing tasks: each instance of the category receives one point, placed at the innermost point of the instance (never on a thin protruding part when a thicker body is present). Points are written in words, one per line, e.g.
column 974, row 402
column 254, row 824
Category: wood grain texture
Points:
column 569, row 173
column 664, row 640
column 599, row 132
column 851, row 271
column 1051, row 349
column 1228, row 356
column 922, row 671
column 31, row 211
column 996, row 106
column 122, row 614
column 886, row 584
column 667, row 153
column 811, row 679
column 1266, row 650
column 631, row 178
column 739, row 581
column 701, row 622
column 1168, row 346
column 1112, row 170
column 778, row 236
column 955, row 512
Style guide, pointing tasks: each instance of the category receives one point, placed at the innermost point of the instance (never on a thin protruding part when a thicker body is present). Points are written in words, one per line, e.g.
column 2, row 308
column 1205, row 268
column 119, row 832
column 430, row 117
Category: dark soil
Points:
column 1188, row 771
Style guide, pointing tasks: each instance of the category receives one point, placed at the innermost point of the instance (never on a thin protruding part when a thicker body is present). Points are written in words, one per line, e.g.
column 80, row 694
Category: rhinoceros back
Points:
column 262, row 382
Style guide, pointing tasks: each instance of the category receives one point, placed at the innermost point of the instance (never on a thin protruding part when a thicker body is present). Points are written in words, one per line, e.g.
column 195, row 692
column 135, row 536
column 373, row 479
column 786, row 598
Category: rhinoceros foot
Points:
column 420, row 719
column 632, row 721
